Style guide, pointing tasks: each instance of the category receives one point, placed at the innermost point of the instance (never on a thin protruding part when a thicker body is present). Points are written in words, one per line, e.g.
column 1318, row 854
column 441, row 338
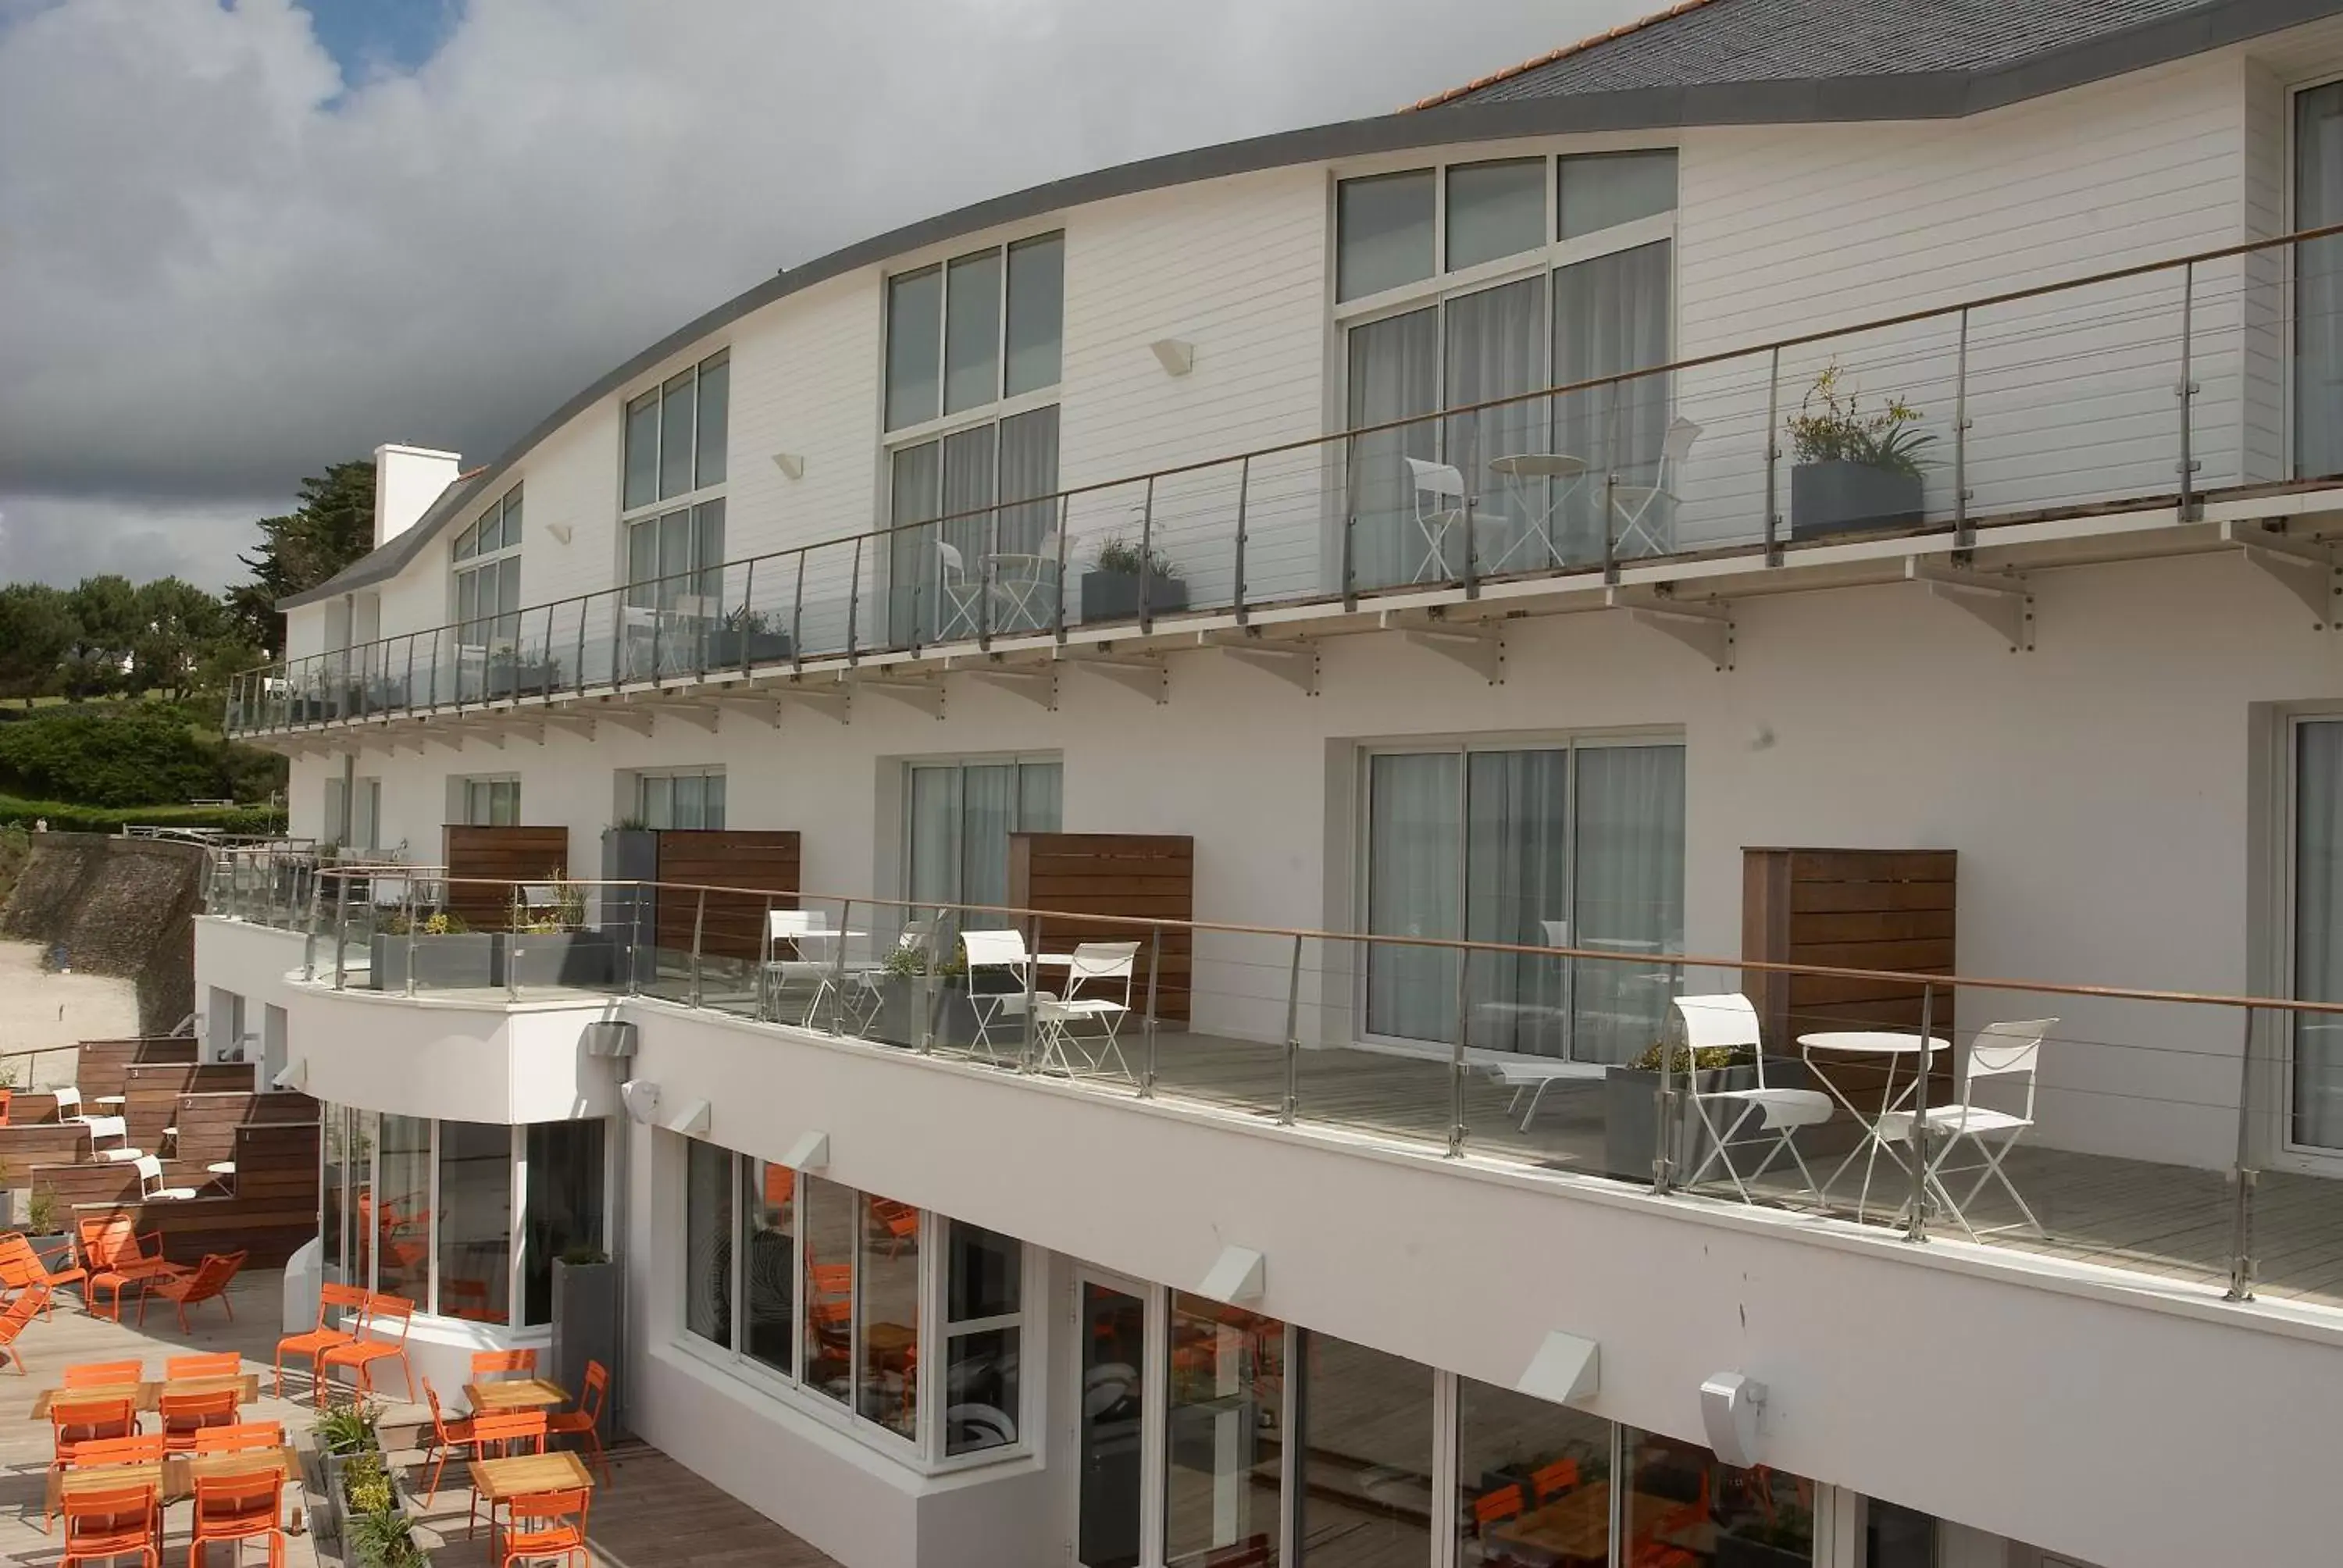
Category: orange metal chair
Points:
column 325, row 1336
column 21, row 1312
column 209, row 1282
column 586, row 1421
column 120, row 1521
column 486, row 1364
column 240, row 1506
column 6, row 1095
column 445, row 1437
column 145, row 1448
column 1552, row 1479
column 546, row 1525
column 1496, row 1507
column 360, row 1355
column 105, row 1374
column 77, row 1423
column 241, row 1436
column 527, row 1426
column 116, row 1256
column 22, row 1267
column 226, row 1364
column 900, row 1221
column 185, row 1414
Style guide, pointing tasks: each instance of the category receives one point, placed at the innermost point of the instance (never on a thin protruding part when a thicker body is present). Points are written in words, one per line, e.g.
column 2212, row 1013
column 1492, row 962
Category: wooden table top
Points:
column 1576, row 1527
column 525, row 1474
column 890, row 1339
column 175, row 1477
column 148, row 1396
column 509, row 1394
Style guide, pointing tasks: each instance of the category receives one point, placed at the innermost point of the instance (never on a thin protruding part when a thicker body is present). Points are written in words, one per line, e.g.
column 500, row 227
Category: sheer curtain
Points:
column 1413, row 887
column 1629, row 894
column 2319, row 284
column 2319, row 932
column 1495, row 348
column 913, row 487
column 1517, row 889
column 1394, row 374
column 935, row 835
column 988, row 812
column 1610, row 317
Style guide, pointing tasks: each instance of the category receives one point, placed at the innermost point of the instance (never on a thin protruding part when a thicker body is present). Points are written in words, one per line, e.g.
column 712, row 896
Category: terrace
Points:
column 2049, row 419
column 651, row 1510
column 2143, row 1119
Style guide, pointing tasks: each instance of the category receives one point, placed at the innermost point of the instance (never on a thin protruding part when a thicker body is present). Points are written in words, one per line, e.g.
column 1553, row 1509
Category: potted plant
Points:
column 444, row 952
column 335, row 1440
column 912, row 999
column 1856, row 468
column 585, row 1315
column 1630, row 1116
column 510, row 674
column 554, row 947
column 747, row 636
column 1111, row 585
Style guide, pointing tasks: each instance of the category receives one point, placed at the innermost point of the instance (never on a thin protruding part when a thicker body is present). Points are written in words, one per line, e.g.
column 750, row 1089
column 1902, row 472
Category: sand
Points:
column 51, row 1013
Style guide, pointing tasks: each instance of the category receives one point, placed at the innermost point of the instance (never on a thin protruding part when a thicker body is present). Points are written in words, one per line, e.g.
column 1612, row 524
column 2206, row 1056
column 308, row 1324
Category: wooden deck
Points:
column 653, row 1511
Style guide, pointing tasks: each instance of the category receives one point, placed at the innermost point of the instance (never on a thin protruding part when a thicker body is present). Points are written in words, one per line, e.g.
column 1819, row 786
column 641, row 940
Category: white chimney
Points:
column 406, row 480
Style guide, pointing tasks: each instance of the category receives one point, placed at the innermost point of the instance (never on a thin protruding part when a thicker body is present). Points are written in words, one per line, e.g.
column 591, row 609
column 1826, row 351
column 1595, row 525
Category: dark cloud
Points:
column 225, row 267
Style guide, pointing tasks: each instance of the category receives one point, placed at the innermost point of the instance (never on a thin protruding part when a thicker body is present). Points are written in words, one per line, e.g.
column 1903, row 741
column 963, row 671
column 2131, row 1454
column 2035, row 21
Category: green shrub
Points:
column 129, row 754
column 66, row 818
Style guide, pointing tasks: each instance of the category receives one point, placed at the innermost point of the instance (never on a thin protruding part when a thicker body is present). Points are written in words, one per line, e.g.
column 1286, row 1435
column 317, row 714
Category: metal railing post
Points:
column 930, row 987
column 1147, row 1028
column 1472, row 504
column 341, row 932
column 854, row 603
column 1350, row 523
column 309, row 937
column 1772, row 459
column 1916, row 1223
column 2187, row 391
column 698, row 929
column 512, row 949
column 765, row 987
column 1147, row 557
column 2248, row 1178
column 796, row 617
column 1289, row 1110
column 1032, row 988
column 1963, row 535
column 931, row 536
column 748, row 611
column 1244, row 492
column 411, row 917
column 1611, row 486
column 838, row 971
column 1663, row 1115
column 577, row 665
column 1457, row 1129
column 638, row 899
column 987, row 578
column 1057, row 611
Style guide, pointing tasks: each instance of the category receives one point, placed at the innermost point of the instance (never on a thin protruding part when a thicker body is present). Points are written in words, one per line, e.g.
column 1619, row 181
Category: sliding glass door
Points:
column 2318, row 283
column 960, row 817
column 1573, row 844
column 2316, row 1098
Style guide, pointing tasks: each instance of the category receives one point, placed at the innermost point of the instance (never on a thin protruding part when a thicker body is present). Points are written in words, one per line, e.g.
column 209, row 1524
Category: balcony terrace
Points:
column 1541, row 1059
column 2128, row 414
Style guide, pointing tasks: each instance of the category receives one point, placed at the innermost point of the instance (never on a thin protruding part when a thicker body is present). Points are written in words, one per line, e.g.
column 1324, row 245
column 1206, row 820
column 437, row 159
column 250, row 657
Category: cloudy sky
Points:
column 241, row 238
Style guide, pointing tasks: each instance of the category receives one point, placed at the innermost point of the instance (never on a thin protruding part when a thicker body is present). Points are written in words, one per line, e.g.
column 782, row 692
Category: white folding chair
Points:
column 959, row 597
column 1025, row 587
column 868, row 996
column 1002, row 951
column 117, row 1129
column 1438, row 506
column 1100, row 966
column 1730, row 1021
column 1647, row 513
column 150, row 1183
column 806, row 935
column 1998, row 1050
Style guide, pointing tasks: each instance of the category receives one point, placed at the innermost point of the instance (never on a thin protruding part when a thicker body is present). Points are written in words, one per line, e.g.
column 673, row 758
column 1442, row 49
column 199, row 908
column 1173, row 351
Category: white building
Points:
column 1540, row 688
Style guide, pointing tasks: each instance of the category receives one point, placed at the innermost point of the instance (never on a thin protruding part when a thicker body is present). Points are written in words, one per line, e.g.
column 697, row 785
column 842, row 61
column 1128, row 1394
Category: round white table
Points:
column 1519, row 471
column 1854, row 1044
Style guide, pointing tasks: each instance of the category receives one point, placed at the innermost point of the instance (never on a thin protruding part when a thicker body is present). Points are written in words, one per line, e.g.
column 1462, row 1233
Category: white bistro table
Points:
column 1518, row 472
column 1855, row 1043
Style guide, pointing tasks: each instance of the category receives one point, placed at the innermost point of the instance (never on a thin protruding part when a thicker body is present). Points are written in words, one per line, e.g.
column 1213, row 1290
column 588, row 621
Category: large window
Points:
column 1556, row 271
column 1365, row 1419
column 675, row 435
column 1531, row 1475
column 686, row 798
column 354, row 813
column 672, row 520
column 1573, row 844
column 907, row 1327
column 2318, row 283
column 959, row 821
column 486, row 564
column 1681, row 1497
column 979, row 331
column 488, row 802
column 1224, row 1457
column 2317, row 1088
column 424, row 1209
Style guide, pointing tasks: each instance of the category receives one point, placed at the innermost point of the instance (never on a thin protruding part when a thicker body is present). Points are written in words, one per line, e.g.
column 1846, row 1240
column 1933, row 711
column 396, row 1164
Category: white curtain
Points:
column 1415, row 884
column 1628, row 867
column 1610, row 317
column 2319, row 285
column 707, row 1242
column 2319, row 933
column 1517, row 890
column 1394, row 374
column 1496, row 348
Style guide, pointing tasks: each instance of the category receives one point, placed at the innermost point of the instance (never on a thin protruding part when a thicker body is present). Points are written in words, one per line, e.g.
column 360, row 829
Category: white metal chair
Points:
column 806, row 935
column 116, row 1127
column 1025, row 587
column 1998, row 1050
column 1002, row 951
column 150, row 1183
column 1438, row 506
column 1647, row 513
column 1730, row 1021
column 1100, row 966
column 959, row 599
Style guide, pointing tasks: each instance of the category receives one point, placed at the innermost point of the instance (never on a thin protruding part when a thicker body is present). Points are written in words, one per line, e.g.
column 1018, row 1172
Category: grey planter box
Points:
column 906, row 1000
column 1114, row 596
column 630, row 914
column 728, row 646
column 1841, row 498
column 461, row 961
column 585, row 1326
column 1630, row 1119
column 556, row 958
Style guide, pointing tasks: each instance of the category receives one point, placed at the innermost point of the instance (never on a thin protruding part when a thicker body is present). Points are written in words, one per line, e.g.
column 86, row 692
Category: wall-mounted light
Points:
column 790, row 464
column 642, row 1100
column 1566, row 1366
column 562, row 532
column 1730, row 1405
column 1176, row 355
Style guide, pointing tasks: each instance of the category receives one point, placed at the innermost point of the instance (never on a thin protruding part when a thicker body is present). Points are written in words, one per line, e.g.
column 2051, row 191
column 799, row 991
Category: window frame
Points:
column 639, row 779
column 655, row 388
column 1003, row 405
column 478, row 563
column 463, row 784
column 959, row 764
column 2309, row 1158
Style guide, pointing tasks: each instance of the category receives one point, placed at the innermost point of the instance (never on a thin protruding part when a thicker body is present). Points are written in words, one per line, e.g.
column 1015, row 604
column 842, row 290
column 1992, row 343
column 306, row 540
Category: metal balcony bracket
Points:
column 833, row 702
column 699, row 715
column 448, row 736
column 1147, row 677
column 533, row 733
column 570, row 724
column 1478, row 645
column 1036, row 685
column 1295, row 663
column 1706, row 629
column 2303, row 567
column 1999, row 599
column 926, row 696
column 626, row 719
column 764, row 710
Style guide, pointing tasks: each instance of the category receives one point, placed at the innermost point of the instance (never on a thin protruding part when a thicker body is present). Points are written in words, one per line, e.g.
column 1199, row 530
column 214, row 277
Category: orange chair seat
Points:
column 529, row 1543
column 314, row 1343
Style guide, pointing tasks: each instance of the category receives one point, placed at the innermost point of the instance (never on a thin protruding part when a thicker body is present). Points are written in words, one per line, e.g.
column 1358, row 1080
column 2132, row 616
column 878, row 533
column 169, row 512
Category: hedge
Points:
column 67, row 818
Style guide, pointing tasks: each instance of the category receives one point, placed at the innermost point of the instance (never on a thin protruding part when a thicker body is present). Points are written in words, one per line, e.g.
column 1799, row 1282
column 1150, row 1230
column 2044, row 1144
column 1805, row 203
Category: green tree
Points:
column 332, row 526
column 106, row 629
column 180, row 629
column 36, row 631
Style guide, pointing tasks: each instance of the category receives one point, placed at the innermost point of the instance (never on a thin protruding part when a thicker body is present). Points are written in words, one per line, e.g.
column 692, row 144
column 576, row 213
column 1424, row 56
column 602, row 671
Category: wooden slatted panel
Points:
column 500, row 855
column 153, row 1093
column 1132, row 877
column 99, row 1064
column 734, row 925
column 271, row 1211
column 40, row 1143
column 1849, row 908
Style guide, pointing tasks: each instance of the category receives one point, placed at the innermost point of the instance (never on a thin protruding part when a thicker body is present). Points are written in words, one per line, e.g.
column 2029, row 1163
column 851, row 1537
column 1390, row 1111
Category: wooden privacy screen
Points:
column 1137, row 877
column 1848, row 909
column 734, row 926
column 505, row 854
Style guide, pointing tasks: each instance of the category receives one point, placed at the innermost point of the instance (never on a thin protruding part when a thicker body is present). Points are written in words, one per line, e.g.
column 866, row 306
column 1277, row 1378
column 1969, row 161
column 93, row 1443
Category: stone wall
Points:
column 117, row 907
